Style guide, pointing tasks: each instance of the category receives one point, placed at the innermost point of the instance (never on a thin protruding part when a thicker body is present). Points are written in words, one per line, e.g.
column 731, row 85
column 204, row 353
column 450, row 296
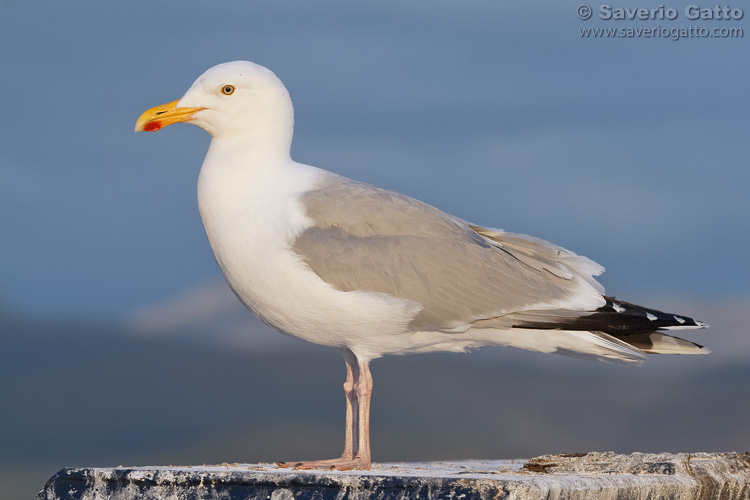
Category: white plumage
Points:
column 371, row 272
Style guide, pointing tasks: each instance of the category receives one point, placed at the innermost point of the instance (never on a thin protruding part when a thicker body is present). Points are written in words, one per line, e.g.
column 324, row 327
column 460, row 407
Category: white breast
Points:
column 252, row 216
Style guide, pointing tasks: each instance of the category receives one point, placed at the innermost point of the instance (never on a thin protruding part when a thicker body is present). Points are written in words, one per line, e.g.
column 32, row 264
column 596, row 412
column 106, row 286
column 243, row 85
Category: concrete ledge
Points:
column 599, row 476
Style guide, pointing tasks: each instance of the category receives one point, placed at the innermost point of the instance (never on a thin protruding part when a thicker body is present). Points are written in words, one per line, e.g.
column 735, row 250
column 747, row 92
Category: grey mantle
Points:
column 599, row 476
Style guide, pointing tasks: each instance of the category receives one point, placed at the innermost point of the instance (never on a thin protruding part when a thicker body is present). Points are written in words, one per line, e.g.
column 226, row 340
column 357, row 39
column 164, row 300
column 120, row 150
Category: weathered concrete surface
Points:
column 599, row 476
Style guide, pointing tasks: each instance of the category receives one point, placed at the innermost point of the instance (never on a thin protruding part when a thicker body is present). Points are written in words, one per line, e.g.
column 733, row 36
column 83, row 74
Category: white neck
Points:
column 248, row 173
column 259, row 150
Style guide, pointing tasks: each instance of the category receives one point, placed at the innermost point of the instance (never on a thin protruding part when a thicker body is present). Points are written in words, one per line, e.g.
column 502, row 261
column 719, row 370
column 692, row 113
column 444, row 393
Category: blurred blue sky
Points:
column 633, row 152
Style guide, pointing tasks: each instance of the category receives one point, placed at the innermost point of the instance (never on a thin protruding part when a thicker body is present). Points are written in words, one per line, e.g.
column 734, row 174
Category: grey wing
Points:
column 542, row 254
column 369, row 239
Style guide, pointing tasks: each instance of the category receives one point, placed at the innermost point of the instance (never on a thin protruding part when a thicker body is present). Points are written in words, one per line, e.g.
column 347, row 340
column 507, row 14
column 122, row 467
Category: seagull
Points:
column 372, row 272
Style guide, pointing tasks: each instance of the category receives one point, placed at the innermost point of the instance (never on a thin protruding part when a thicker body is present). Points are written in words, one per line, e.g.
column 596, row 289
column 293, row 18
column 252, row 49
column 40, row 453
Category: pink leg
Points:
column 352, row 414
column 358, row 389
column 364, row 393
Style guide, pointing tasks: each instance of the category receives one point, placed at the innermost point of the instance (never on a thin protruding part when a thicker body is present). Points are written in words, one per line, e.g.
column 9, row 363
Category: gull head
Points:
column 233, row 99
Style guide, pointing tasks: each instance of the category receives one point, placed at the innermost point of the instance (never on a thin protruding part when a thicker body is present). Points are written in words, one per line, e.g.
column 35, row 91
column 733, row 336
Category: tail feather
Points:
column 661, row 343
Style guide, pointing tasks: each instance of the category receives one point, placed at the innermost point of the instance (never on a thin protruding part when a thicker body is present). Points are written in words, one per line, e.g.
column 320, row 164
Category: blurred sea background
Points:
column 121, row 345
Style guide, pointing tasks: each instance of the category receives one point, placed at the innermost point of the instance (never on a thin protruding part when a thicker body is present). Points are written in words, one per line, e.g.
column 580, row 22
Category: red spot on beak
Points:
column 152, row 126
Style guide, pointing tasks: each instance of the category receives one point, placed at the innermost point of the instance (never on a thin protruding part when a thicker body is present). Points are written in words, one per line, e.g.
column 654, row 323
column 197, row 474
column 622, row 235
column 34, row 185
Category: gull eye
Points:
column 227, row 89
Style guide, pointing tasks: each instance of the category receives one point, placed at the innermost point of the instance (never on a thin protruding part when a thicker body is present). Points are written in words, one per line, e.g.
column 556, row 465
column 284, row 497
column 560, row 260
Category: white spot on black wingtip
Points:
column 651, row 317
column 684, row 327
column 617, row 307
column 678, row 319
column 688, row 324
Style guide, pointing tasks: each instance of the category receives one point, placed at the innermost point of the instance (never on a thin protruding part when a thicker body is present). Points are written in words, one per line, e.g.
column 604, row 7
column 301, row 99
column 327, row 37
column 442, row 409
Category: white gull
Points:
column 373, row 272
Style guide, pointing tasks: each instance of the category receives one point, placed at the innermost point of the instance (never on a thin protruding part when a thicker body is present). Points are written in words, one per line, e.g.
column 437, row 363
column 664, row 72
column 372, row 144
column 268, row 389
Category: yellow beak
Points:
column 160, row 116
